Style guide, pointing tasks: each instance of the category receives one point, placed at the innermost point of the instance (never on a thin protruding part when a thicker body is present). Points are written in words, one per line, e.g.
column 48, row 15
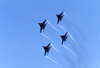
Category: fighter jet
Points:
column 59, row 16
column 46, row 48
column 64, row 37
column 42, row 25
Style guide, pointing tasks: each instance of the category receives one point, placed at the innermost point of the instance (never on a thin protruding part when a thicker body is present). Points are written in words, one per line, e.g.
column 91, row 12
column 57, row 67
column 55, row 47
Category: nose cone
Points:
column 60, row 35
column 38, row 22
column 56, row 14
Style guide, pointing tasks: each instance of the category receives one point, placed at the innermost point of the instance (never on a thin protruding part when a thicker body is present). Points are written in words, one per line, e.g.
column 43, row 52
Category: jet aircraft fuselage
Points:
column 46, row 48
column 59, row 16
column 42, row 25
column 64, row 37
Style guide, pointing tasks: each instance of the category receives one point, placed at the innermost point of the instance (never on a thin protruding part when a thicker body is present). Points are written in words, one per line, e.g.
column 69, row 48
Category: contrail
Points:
column 53, row 27
column 65, row 23
column 54, row 47
column 65, row 14
column 50, row 59
column 61, row 27
column 82, row 66
column 72, row 24
column 72, row 38
column 61, row 66
column 45, row 36
column 69, row 50
column 53, row 60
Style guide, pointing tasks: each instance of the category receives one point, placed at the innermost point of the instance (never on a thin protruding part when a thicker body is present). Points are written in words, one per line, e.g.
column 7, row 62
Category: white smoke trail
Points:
column 65, row 14
column 54, row 47
column 53, row 60
column 61, row 66
column 50, row 59
column 61, row 27
column 69, row 50
column 82, row 66
column 53, row 27
column 45, row 36
column 72, row 38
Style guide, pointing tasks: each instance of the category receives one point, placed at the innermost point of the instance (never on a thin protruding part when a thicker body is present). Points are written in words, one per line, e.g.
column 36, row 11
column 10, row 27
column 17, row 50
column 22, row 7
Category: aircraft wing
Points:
column 62, row 42
column 66, row 33
column 48, row 45
column 61, row 12
column 44, row 21
column 40, row 30
column 45, row 53
column 58, row 21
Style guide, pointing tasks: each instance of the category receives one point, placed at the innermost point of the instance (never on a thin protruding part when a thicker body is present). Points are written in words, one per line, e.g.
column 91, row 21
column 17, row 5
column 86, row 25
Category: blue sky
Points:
column 21, row 42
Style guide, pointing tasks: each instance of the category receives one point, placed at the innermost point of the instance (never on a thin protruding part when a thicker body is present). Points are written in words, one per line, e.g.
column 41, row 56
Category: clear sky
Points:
column 21, row 42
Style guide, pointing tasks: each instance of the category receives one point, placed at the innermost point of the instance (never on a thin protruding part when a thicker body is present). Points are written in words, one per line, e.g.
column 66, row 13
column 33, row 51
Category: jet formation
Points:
column 46, row 48
column 42, row 25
